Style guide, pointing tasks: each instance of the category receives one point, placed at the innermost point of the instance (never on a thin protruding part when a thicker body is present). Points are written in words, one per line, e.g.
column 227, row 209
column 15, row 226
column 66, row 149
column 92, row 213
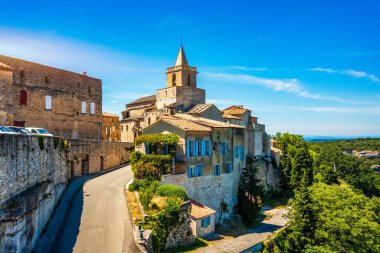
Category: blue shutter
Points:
column 203, row 144
column 209, row 147
column 187, row 148
column 196, row 171
column 189, row 172
column 196, row 148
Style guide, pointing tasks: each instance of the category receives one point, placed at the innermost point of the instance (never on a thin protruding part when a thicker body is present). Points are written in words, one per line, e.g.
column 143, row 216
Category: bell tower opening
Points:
column 181, row 74
column 174, row 77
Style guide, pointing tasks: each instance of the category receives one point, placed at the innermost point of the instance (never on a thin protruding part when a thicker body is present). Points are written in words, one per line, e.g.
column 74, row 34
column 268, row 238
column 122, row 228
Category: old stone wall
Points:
column 181, row 234
column 209, row 190
column 6, row 94
column 91, row 156
column 110, row 128
column 33, row 175
column 76, row 99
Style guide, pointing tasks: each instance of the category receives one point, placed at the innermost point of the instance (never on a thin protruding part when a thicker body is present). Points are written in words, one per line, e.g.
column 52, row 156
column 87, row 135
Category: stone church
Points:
column 213, row 144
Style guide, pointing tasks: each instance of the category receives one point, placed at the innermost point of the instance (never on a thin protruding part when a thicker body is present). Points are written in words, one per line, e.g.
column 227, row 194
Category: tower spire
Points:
column 181, row 57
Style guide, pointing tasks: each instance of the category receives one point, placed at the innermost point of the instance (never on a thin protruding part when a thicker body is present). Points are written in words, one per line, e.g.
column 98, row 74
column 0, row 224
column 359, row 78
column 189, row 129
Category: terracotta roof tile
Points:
column 206, row 122
column 226, row 116
column 147, row 99
column 199, row 108
column 234, row 110
column 199, row 211
column 185, row 124
column 107, row 114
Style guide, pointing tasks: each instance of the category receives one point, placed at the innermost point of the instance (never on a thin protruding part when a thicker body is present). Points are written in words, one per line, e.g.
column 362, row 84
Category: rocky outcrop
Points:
column 182, row 233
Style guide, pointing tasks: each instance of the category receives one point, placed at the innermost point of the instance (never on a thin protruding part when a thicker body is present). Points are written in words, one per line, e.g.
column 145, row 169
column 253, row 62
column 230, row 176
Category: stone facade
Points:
column 31, row 182
column 91, row 156
column 65, row 103
column 182, row 233
column 110, row 127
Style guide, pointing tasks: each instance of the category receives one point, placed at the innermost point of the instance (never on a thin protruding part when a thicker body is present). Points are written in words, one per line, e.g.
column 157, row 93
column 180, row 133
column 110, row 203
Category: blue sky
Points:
column 307, row 67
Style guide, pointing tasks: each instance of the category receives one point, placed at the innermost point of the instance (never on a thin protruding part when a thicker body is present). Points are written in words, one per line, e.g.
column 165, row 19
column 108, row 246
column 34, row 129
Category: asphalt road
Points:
column 98, row 220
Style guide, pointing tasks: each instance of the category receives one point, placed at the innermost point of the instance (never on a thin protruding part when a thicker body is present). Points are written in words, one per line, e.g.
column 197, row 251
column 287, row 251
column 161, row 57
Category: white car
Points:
column 6, row 130
column 38, row 131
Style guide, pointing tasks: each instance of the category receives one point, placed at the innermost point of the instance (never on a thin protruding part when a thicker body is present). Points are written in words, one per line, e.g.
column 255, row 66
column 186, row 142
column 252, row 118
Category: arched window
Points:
column 188, row 79
column 174, row 80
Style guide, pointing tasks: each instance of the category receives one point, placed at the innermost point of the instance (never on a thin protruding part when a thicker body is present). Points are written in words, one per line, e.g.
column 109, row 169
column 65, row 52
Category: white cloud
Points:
column 286, row 85
column 244, row 68
column 349, row 72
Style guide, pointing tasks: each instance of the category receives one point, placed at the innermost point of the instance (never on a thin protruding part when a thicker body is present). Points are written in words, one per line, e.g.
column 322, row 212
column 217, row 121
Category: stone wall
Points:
column 31, row 182
column 67, row 91
column 209, row 190
column 182, row 233
column 91, row 156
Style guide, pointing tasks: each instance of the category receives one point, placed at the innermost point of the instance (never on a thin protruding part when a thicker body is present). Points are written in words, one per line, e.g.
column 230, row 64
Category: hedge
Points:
column 169, row 190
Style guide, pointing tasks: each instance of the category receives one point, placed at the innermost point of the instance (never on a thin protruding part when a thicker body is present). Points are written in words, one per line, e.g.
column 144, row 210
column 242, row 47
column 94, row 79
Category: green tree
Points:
column 303, row 218
column 302, row 165
column 327, row 175
column 250, row 192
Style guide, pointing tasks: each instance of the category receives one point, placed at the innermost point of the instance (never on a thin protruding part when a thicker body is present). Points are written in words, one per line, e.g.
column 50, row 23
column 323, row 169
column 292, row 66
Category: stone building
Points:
column 180, row 95
column 213, row 145
column 110, row 127
column 65, row 103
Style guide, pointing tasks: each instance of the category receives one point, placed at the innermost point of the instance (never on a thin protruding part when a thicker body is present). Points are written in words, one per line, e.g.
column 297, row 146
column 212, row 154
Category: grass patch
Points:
column 199, row 243
column 134, row 207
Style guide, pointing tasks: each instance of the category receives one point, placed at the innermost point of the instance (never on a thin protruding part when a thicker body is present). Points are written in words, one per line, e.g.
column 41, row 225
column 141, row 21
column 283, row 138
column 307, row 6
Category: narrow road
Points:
column 98, row 220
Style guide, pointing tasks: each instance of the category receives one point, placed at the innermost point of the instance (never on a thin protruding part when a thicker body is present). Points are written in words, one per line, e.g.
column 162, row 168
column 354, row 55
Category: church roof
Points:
column 147, row 99
column 199, row 108
column 205, row 121
column 234, row 110
column 181, row 58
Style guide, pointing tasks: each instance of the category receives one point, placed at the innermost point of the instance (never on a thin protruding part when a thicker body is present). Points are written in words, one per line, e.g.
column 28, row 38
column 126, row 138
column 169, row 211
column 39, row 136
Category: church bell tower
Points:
column 181, row 91
column 181, row 74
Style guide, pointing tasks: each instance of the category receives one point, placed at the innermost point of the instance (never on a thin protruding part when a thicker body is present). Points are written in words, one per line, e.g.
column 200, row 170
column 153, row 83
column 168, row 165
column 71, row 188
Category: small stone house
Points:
column 202, row 219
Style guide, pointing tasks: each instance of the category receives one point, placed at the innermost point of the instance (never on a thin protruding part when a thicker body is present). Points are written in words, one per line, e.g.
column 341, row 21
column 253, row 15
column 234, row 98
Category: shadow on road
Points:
column 67, row 236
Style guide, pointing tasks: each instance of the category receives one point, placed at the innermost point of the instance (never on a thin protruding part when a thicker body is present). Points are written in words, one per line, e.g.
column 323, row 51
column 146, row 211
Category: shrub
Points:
column 161, row 223
column 169, row 190
column 145, row 171
column 145, row 198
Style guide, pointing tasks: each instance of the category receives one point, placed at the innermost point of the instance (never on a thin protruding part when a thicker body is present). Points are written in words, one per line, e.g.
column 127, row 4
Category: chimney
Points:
column 84, row 73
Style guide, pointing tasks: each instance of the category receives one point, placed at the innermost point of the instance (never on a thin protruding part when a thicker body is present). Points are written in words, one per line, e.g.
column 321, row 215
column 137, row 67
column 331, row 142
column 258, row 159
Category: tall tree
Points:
column 302, row 165
column 303, row 217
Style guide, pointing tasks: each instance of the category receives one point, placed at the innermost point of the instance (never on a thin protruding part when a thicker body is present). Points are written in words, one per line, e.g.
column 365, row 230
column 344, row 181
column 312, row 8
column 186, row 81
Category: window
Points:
column 200, row 148
column 23, row 97
column 92, row 107
column 190, row 172
column 147, row 148
column 148, row 121
column 174, row 80
column 236, row 151
column 84, row 109
column 242, row 153
column 46, row 78
column 48, row 101
column 22, row 73
column 126, row 128
column 122, row 128
column 188, row 79
column 165, row 149
column 229, row 168
column 208, row 150
column 190, row 148
column 198, row 170
column 222, row 148
column 216, row 170
column 205, row 222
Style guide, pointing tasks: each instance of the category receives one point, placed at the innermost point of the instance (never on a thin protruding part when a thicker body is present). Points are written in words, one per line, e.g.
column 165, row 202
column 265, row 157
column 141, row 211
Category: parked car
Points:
column 38, row 131
column 6, row 130
column 20, row 130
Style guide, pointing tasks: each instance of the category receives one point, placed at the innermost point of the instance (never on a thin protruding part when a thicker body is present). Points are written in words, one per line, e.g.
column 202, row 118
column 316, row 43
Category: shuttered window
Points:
column 84, row 105
column 92, row 107
column 48, row 102
column 23, row 97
